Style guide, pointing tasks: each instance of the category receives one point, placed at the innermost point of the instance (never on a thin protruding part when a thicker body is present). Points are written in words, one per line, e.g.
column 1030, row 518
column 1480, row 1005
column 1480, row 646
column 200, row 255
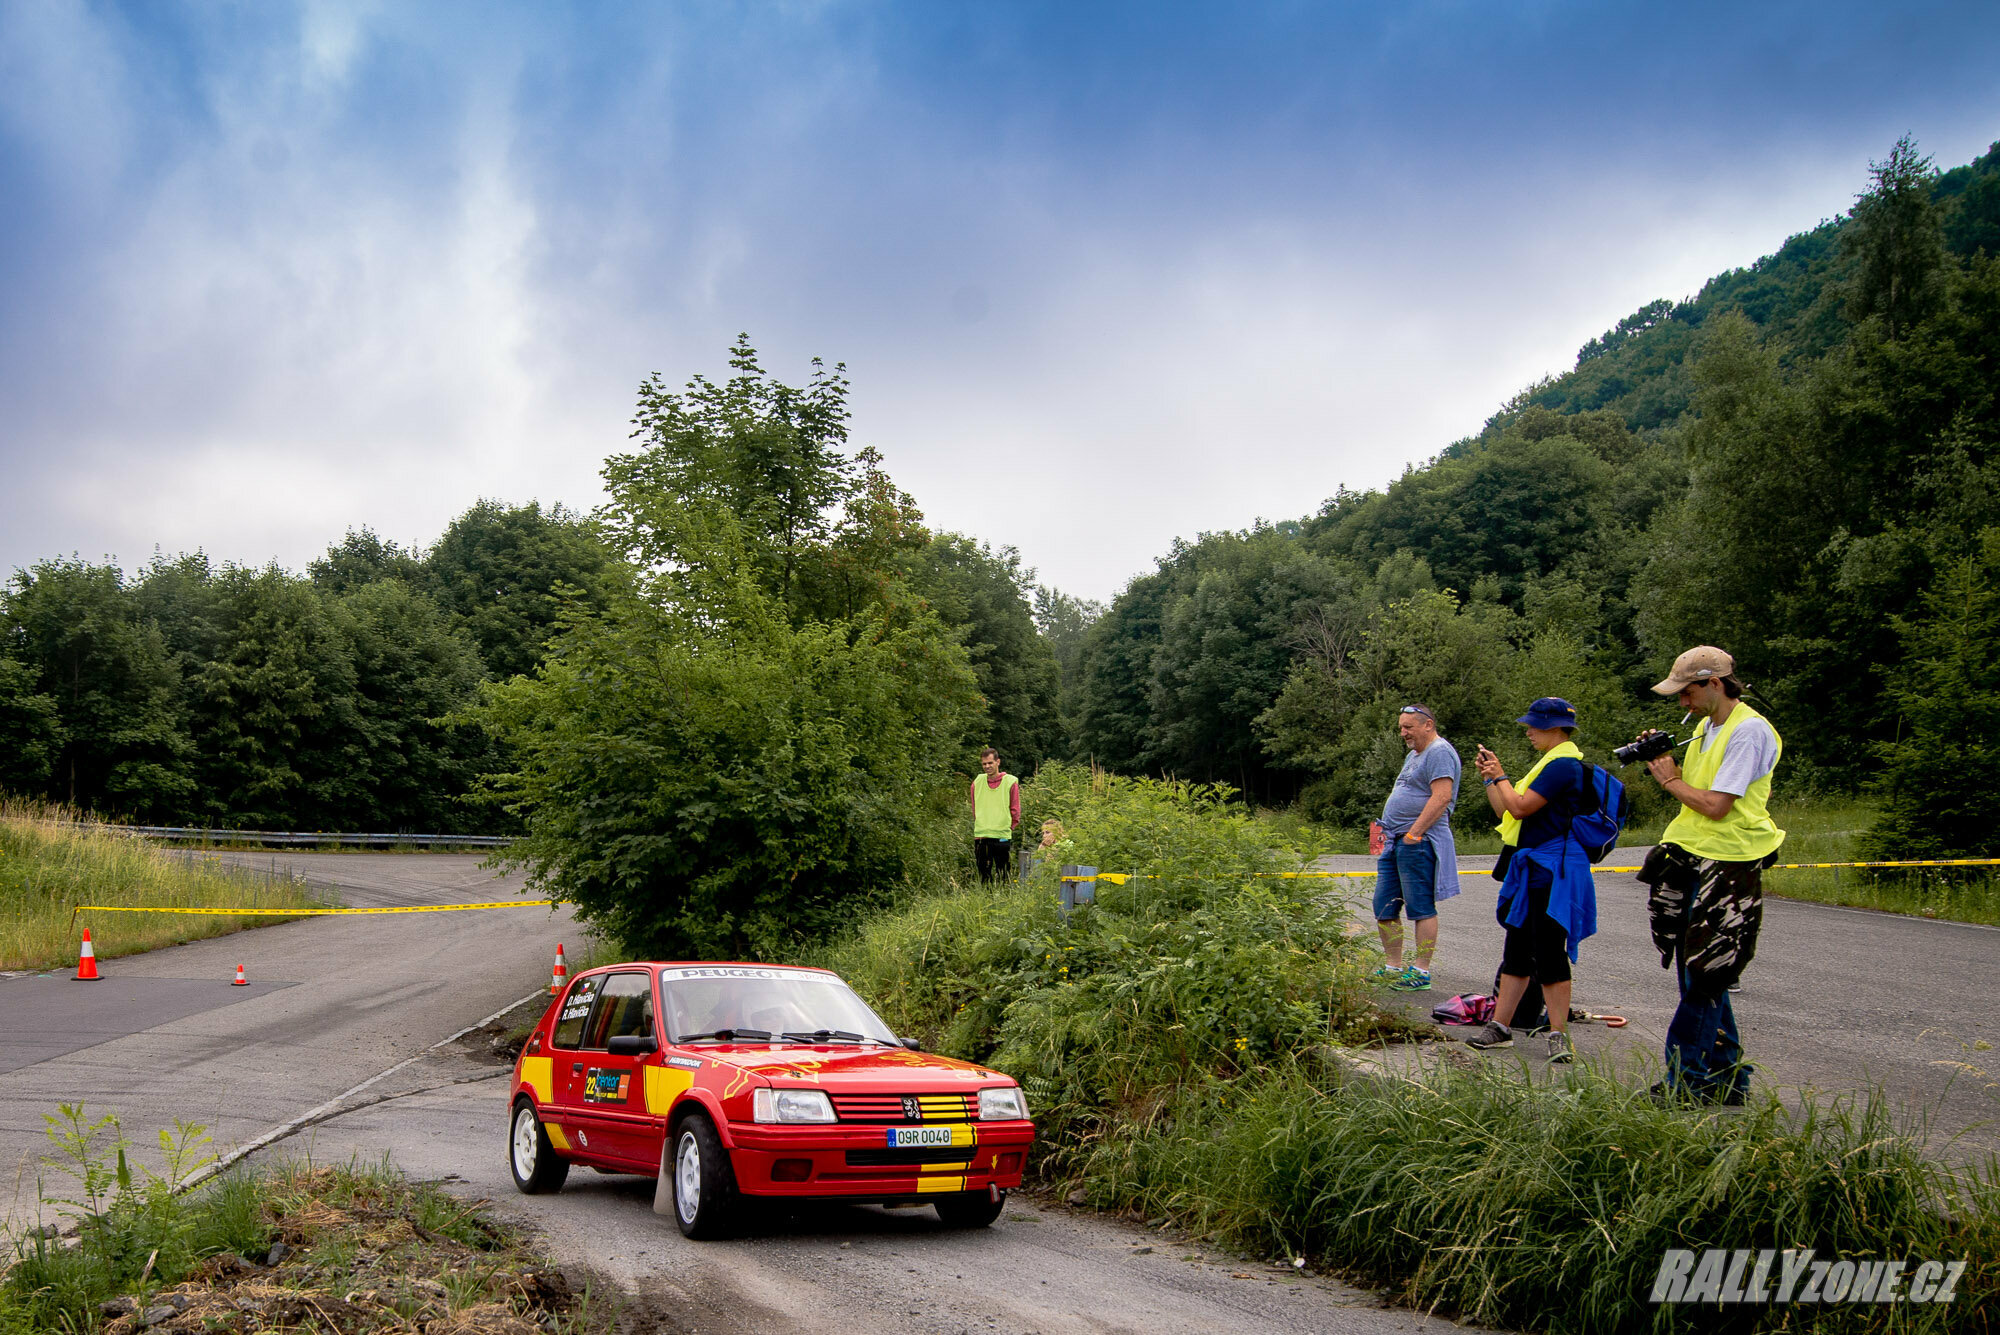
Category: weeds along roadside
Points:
column 1548, row 1207
column 356, row 1248
column 1168, row 1036
column 48, row 866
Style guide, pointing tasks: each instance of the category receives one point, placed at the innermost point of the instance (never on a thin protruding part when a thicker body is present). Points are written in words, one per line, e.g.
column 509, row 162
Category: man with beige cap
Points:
column 1707, row 875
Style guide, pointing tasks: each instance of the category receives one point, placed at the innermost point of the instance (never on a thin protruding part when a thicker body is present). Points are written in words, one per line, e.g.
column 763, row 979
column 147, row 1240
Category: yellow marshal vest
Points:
column 992, row 808
column 1747, row 833
column 1510, row 825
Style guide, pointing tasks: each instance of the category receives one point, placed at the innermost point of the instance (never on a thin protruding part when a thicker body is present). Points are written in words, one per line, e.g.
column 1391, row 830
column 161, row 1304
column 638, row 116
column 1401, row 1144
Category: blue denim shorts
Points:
column 1406, row 880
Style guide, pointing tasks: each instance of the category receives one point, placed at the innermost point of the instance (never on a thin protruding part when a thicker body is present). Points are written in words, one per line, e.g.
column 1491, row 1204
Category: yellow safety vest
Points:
column 992, row 808
column 1747, row 833
column 1510, row 824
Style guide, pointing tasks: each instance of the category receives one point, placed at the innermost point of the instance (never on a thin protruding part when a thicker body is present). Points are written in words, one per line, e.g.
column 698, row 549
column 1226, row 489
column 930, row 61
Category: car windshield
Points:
column 758, row 1003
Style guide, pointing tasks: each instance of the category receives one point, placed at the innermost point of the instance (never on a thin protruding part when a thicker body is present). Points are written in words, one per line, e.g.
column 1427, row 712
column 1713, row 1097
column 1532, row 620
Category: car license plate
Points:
column 919, row 1137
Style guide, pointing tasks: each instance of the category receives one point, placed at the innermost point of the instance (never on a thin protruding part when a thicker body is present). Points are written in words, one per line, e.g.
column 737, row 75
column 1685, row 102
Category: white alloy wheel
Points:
column 687, row 1177
column 527, row 1132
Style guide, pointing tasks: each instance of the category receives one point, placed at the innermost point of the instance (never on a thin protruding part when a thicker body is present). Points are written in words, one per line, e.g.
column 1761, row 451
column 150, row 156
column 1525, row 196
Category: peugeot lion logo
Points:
column 912, row 1109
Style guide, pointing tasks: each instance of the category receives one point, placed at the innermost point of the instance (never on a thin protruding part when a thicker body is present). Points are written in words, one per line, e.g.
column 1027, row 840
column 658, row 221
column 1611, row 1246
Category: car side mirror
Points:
column 911, row 1044
column 632, row 1045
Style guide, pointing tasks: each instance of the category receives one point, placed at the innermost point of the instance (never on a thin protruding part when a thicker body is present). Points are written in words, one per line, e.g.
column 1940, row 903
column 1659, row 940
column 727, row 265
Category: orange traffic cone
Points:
column 86, row 964
column 240, row 980
column 555, row 983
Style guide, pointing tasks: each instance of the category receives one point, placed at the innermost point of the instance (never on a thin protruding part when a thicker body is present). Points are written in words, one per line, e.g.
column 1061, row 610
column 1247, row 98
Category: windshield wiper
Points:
column 824, row 1036
column 756, row 1035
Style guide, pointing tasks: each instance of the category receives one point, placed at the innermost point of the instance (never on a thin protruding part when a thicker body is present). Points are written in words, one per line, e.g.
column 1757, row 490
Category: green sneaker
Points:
column 1388, row 972
column 1413, row 980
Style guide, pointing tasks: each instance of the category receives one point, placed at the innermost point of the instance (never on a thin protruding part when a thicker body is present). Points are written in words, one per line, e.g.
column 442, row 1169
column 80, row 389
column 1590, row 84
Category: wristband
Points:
column 1495, row 779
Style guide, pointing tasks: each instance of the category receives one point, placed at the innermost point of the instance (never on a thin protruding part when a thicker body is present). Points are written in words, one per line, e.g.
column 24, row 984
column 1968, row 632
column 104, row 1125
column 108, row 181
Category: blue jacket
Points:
column 1572, row 890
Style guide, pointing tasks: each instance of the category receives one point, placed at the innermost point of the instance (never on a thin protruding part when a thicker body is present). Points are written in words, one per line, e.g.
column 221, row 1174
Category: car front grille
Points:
column 880, row 1109
column 908, row 1158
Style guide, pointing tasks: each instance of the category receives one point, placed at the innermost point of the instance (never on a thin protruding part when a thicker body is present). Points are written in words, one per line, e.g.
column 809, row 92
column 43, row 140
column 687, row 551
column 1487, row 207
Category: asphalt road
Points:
column 333, row 1002
column 1836, row 1000
column 1041, row 1268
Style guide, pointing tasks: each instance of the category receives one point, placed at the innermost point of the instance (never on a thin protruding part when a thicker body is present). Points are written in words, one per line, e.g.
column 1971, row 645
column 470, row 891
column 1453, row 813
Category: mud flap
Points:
column 663, row 1190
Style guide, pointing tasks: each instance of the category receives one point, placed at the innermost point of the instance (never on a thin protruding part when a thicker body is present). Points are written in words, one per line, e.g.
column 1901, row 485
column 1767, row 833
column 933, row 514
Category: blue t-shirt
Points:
column 1562, row 783
column 1413, row 786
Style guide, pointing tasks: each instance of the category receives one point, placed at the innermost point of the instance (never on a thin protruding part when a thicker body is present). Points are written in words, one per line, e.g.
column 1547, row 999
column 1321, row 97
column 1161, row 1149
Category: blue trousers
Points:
column 1704, row 1051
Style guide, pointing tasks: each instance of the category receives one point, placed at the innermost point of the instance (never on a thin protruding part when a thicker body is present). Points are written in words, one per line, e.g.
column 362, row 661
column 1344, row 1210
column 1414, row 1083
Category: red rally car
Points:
column 732, row 1081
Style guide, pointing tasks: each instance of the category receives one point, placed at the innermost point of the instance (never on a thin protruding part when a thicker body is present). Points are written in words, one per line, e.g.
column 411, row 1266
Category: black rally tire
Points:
column 969, row 1209
column 536, row 1166
column 704, row 1184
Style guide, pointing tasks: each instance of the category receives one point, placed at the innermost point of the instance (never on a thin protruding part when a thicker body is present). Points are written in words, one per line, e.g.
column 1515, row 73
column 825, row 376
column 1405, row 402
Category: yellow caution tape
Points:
column 315, row 913
column 1120, row 877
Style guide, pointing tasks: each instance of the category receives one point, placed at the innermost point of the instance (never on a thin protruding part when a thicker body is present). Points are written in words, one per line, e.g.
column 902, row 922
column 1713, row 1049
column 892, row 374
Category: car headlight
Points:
column 791, row 1105
column 1003, row 1105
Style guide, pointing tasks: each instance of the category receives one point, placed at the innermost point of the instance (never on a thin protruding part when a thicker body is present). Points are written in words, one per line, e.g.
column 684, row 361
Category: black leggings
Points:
column 1539, row 947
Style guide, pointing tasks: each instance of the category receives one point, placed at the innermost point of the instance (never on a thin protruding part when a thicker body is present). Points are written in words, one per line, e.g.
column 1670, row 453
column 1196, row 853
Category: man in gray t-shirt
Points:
column 1418, row 864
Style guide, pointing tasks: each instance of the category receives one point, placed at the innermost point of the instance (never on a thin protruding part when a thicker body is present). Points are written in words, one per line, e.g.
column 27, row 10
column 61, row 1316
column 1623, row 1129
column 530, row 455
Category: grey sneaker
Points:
column 1561, row 1051
column 1492, row 1034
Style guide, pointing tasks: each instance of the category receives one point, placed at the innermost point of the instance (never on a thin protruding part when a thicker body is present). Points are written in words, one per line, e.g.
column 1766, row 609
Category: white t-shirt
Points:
column 1753, row 753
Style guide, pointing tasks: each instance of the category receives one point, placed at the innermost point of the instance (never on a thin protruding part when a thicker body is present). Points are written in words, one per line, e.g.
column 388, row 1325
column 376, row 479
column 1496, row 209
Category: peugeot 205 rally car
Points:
column 734, row 1081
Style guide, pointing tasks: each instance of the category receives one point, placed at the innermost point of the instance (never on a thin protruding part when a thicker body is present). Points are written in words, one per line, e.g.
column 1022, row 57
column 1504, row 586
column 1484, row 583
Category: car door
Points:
column 610, row 1099
column 563, row 1095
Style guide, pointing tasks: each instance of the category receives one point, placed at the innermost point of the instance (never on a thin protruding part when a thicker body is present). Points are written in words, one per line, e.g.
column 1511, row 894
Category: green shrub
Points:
column 1198, row 970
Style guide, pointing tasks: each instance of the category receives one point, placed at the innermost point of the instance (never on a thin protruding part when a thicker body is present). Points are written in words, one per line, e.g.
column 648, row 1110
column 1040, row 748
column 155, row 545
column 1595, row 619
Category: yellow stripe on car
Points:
column 664, row 1084
column 930, row 1184
column 538, row 1075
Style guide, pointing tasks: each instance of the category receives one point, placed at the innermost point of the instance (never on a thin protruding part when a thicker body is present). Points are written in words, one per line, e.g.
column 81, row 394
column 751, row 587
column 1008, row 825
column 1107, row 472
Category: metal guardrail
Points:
column 309, row 838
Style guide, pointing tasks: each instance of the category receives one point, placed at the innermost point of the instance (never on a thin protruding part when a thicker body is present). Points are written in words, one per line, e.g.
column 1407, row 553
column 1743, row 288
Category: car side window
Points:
column 625, row 1006
column 575, row 1010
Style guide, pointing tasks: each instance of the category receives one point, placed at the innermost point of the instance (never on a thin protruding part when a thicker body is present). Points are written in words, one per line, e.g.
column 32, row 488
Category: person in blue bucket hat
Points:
column 1548, row 901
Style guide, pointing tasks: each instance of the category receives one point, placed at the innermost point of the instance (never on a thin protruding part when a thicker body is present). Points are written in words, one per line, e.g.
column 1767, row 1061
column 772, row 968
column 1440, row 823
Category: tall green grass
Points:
column 1548, row 1207
column 50, row 863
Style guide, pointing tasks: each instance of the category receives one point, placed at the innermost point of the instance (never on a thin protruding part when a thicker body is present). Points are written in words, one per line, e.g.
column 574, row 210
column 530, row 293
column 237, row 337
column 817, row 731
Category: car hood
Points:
column 836, row 1066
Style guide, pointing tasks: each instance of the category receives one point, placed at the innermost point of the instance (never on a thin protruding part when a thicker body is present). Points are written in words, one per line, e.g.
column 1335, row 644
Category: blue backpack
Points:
column 1603, row 814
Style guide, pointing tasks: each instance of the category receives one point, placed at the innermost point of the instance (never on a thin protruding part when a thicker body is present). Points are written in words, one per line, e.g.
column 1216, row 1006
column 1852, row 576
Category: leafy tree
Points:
column 412, row 674
column 984, row 595
column 703, row 766
column 275, row 709
column 1064, row 622
column 362, row 558
column 503, row 574
column 31, row 732
column 73, row 628
column 1896, row 242
column 766, row 456
column 1939, row 800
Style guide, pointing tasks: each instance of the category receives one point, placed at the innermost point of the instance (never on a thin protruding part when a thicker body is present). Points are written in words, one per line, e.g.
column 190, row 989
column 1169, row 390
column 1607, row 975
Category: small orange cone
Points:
column 555, row 983
column 86, row 964
column 240, row 980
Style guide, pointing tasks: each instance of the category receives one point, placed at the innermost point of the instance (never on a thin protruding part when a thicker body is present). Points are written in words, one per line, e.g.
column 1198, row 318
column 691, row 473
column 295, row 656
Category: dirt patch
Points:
column 355, row 1253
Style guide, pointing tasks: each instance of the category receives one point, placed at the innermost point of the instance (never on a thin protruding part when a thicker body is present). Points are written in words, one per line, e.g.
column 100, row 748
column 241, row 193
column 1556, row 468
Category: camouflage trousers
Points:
column 1705, row 915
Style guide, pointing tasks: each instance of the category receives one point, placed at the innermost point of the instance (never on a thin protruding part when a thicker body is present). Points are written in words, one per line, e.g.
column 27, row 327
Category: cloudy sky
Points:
column 1102, row 274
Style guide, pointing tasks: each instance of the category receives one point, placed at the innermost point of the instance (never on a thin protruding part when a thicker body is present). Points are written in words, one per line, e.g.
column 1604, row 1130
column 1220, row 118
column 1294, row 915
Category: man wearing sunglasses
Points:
column 1419, row 863
column 1707, row 875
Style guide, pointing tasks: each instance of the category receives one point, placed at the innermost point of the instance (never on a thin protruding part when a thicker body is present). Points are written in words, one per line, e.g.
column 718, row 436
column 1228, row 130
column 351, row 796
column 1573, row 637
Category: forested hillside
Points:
column 1798, row 464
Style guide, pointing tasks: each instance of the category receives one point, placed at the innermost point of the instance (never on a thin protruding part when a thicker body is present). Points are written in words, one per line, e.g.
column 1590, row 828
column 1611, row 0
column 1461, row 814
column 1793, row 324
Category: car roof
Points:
column 703, row 964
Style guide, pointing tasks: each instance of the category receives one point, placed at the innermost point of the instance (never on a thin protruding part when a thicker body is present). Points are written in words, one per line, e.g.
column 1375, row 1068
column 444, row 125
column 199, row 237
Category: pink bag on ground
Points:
column 1465, row 1008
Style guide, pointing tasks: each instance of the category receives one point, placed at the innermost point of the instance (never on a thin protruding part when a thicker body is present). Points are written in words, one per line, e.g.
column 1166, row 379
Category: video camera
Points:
column 1650, row 744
